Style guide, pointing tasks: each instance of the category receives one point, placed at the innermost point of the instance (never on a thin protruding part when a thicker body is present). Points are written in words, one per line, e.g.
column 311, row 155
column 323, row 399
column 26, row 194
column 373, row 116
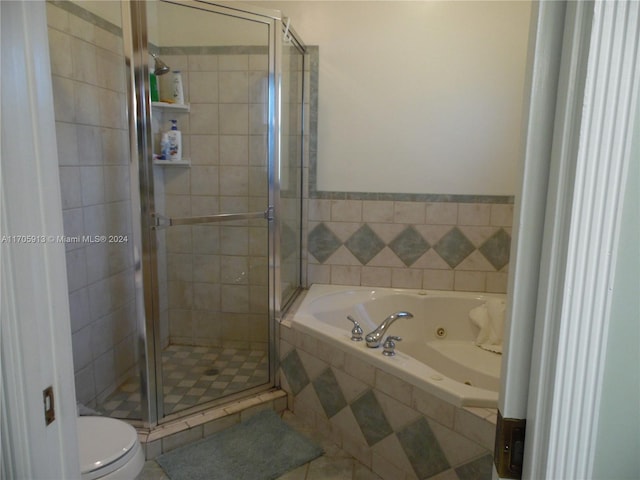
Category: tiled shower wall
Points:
column 216, row 292
column 92, row 134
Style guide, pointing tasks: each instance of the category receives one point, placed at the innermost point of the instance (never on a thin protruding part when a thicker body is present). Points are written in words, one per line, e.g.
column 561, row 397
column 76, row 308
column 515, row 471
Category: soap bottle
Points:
column 164, row 146
column 175, row 142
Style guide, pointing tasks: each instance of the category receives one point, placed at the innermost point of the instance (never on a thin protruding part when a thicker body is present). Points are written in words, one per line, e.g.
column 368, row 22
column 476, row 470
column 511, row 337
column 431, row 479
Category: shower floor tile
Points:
column 191, row 376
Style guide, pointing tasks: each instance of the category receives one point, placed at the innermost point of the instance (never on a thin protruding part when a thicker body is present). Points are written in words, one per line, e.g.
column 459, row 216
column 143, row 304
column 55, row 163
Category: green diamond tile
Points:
column 454, row 247
column 364, row 244
column 409, row 246
column 289, row 241
column 294, row 371
column 370, row 417
column 496, row 249
column 329, row 393
column 479, row 469
column 422, row 449
column 323, row 242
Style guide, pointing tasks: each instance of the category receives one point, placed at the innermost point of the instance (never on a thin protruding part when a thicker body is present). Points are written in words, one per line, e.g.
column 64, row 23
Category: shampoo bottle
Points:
column 177, row 91
column 175, row 142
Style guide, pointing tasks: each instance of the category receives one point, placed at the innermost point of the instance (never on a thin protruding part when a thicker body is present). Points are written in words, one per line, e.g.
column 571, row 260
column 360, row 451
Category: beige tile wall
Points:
column 92, row 134
column 477, row 221
column 216, row 292
column 464, row 434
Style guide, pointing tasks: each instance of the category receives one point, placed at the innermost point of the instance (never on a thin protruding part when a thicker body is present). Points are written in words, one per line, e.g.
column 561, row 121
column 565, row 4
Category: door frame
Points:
column 35, row 323
column 564, row 302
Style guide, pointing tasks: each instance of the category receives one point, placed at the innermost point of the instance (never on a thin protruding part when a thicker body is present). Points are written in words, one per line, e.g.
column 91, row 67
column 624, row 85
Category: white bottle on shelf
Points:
column 175, row 142
column 164, row 146
column 177, row 90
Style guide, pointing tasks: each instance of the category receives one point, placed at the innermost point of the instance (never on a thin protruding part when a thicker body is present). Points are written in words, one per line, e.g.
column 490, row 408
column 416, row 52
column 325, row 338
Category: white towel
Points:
column 489, row 318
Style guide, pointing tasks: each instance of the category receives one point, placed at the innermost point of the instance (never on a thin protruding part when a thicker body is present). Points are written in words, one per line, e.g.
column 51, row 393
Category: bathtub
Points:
column 437, row 352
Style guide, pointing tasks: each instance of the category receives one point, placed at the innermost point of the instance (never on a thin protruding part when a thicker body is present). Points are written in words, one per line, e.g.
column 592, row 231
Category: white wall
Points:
column 414, row 96
column 179, row 26
column 418, row 97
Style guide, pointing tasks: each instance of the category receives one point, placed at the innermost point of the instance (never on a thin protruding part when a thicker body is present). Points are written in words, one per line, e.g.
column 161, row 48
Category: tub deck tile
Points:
column 433, row 407
column 351, row 387
column 394, row 386
column 400, row 431
column 398, row 414
column 457, row 448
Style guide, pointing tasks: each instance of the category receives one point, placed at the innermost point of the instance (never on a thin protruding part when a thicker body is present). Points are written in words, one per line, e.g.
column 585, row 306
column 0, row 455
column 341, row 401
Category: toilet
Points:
column 109, row 449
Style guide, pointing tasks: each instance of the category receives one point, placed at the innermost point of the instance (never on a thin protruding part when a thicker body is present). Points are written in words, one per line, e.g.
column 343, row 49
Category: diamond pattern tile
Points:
column 370, row 418
column 364, row 244
column 329, row 393
column 480, row 469
column 422, row 449
column 294, row 371
column 454, row 247
column 192, row 376
column 289, row 241
column 409, row 246
column 323, row 242
column 496, row 249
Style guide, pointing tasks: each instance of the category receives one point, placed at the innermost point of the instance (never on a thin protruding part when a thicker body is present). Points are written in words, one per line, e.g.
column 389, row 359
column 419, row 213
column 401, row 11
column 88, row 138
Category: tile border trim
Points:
column 85, row 14
column 212, row 50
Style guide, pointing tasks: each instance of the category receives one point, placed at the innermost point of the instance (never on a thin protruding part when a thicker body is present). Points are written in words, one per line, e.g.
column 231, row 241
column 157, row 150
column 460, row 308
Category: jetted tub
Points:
column 437, row 352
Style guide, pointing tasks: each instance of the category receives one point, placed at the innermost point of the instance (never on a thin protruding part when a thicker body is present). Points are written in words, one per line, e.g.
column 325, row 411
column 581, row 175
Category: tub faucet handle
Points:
column 356, row 331
column 389, row 345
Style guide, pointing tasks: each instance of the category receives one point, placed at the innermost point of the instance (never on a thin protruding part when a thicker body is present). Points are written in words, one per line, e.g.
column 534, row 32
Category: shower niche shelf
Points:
column 171, row 107
column 169, row 163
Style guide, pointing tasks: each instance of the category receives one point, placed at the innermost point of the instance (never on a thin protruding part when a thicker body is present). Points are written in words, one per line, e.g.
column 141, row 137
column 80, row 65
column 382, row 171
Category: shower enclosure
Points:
column 211, row 249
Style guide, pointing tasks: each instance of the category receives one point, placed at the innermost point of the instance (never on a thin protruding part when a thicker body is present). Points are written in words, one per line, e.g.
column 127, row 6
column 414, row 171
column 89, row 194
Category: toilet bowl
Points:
column 109, row 449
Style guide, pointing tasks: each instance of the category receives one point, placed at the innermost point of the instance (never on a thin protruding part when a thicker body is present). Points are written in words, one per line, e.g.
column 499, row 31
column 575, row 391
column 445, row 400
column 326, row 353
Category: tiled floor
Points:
column 335, row 464
column 192, row 376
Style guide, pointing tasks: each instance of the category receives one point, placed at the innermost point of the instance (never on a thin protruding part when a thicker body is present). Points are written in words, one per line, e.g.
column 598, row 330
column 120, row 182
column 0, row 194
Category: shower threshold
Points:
column 190, row 428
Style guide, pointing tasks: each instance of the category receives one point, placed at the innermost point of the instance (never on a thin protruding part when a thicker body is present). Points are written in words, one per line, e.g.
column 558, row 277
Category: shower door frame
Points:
column 147, row 292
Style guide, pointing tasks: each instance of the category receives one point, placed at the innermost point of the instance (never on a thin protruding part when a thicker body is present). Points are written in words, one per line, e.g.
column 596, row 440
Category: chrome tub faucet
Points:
column 374, row 338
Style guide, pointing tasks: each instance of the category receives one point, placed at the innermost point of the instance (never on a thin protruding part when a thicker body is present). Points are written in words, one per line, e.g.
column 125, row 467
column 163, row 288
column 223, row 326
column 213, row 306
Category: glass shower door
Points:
column 291, row 153
column 212, row 209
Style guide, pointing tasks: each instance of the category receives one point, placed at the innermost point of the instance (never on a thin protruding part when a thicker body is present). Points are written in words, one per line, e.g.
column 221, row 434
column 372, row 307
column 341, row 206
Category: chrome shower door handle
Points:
column 160, row 221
